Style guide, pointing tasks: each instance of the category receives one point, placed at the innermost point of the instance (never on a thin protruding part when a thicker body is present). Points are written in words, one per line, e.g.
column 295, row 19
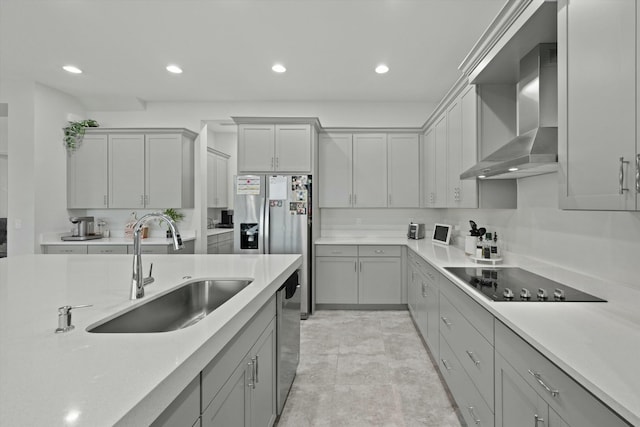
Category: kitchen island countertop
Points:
column 83, row 379
column 595, row 343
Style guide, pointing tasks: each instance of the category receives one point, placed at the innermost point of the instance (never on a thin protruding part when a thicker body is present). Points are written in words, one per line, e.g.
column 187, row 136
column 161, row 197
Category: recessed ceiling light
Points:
column 381, row 69
column 481, row 176
column 72, row 69
column 279, row 68
column 513, row 169
column 174, row 69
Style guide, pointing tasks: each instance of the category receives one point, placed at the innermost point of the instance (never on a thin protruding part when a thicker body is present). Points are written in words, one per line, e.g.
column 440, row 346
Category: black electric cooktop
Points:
column 516, row 284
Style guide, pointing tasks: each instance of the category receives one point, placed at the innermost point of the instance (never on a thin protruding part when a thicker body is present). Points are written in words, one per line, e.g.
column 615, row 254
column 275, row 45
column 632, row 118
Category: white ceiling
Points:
column 227, row 48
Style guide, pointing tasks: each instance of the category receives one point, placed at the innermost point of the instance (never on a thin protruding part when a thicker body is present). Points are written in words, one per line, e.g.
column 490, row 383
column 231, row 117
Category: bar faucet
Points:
column 138, row 281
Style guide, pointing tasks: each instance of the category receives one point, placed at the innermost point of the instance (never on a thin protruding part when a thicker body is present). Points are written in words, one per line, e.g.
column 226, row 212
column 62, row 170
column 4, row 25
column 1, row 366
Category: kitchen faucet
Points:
column 138, row 281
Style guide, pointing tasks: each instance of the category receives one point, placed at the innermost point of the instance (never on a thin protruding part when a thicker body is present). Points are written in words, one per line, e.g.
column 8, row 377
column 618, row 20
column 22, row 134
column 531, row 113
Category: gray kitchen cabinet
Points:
column 274, row 148
column 598, row 163
column 434, row 158
column 520, row 368
column 220, row 243
column 87, row 184
column 189, row 248
column 349, row 274
column 132, row 168
column 107, row 249
column 217, row 181
column 370, row 170
column 335, row 156
column 403, row 158
column 424, row 297
column 64, row 249
column 184, row 410
column 428, row 170
column 247, row 396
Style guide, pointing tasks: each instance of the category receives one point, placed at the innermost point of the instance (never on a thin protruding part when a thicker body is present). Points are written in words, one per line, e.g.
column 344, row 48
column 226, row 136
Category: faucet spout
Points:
column 138, row 281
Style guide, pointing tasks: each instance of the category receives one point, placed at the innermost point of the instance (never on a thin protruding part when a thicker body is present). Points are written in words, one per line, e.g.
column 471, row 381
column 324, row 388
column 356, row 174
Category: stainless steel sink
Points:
column 178, row 309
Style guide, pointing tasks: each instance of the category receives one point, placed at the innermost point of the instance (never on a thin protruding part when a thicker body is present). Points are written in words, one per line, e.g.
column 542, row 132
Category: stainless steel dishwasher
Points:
column 288, row 334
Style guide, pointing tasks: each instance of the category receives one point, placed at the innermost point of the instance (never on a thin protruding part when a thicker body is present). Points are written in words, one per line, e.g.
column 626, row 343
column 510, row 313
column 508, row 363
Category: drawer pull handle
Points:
column 473, row 415
column 379, row 251
column 538, row 420
column 252, row 377
column 336, row 252
column 445, row 364
column 472, row 357
column 538, row 377
column 446, row 321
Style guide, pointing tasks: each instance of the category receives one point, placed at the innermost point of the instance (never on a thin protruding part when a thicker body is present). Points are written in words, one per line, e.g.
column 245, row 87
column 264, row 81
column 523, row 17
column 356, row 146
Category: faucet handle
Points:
column 64, row 317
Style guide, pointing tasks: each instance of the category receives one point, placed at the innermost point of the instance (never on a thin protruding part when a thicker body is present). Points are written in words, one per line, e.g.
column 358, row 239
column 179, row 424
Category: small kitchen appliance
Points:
column 226, row 218
column 83, row 229
column 518, row 285
column 416, row 231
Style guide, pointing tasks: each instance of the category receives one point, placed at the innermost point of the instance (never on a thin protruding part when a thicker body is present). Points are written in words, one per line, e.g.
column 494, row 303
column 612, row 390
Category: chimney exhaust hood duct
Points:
column 535, row 150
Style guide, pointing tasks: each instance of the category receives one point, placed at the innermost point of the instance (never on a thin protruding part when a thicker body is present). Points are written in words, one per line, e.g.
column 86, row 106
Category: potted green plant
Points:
column 74, row 133
column 175, row 215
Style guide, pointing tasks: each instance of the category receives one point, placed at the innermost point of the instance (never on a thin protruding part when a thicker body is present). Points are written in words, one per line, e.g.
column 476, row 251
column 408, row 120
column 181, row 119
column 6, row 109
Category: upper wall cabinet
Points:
column 132, row 168
column 276, row 147
column 365, row 170
column 597, row 116
column 217, row 182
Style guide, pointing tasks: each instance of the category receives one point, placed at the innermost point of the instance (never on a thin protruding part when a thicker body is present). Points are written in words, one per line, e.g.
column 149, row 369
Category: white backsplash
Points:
column 117, row 218
column 374, row 222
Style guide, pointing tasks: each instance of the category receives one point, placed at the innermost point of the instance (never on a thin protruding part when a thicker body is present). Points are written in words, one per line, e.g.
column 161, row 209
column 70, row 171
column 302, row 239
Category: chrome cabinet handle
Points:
column 141, row 200
column 473, row 415
column 538, row 420
column 538, row 377
column 355, row 266
column 379, row 251
column 105, row 200
column 252, row 378
column 472, row 357
column 424, row 290
column 277, row 162
column 360, row 265
column 272, row 163
column 445, row 364
column 446, row 321
column 257, row 367
column 389, row 199
column 355, row 199
column 638, row 173
column 350, row 199
column 621, row 175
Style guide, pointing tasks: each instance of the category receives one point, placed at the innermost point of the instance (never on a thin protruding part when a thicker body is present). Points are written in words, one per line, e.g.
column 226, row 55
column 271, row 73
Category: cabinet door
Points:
column 184, row 410
column 126, row 171
column 370, row 170
column 263, row 393
column 516, row 403
column 222, row 192
column 211, row 180
column 440, row 165
column 403, row 152
column 379, row 281
column 336, row 280
column 231, row 406
column 597, row 105
column 431, row 299
column 225, row 247
column 469, row 157
column 256, row 148
column 335, row 167
column 454, row 154
column 429, row 169
column 163, row 171
column 87, row 185
column 293, row 148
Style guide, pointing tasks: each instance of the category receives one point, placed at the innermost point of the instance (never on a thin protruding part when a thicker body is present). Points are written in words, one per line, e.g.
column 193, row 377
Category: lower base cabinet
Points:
column 220, row 244
column 348, row 274
column 238, row 387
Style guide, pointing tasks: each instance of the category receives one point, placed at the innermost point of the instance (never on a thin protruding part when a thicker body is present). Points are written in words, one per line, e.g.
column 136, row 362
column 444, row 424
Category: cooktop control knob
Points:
column 558, row 294
column 525, row 293
column 508, row 293
column 542, row 294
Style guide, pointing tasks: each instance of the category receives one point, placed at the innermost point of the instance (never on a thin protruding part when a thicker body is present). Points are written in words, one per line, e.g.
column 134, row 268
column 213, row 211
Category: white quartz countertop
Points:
column 83, row 379
column 595, row 343
column 54, row 239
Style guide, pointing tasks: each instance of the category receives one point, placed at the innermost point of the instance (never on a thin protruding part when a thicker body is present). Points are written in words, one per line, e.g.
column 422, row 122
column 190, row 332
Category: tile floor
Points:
column 365, row 368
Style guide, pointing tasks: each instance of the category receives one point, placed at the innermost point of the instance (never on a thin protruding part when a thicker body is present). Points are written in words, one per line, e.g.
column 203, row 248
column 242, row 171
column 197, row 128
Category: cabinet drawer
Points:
column 477, row 316
column 472, row 406
column 150, row 249
column 572, row 403
column 379, row 251
column 336, row 250
column 212, row 239
column 225, row 237
column 472, row 350
column 218, row 371
column 107, row 249
column 67, row 249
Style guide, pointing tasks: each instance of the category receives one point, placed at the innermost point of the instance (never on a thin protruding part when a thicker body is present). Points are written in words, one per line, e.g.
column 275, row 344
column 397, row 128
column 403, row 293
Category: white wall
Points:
column 4, row 163
column 599, row 243
column 374, row 222
column 331, row 114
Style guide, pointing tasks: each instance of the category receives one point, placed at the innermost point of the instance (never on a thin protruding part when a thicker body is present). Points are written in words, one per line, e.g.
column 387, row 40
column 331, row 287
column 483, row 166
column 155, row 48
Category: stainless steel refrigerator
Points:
column 272, row 215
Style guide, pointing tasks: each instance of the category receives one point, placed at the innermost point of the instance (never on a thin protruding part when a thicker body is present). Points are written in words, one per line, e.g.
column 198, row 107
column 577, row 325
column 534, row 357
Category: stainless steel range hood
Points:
column 535, row 150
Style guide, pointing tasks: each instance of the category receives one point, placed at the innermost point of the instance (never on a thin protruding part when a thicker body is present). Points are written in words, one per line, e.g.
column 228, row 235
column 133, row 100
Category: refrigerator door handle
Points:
column 261, row 227
column 265, row 233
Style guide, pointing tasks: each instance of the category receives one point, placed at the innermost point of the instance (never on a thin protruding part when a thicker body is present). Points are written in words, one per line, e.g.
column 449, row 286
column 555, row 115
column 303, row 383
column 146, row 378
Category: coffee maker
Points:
column 226, row 218
column 83, row 229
